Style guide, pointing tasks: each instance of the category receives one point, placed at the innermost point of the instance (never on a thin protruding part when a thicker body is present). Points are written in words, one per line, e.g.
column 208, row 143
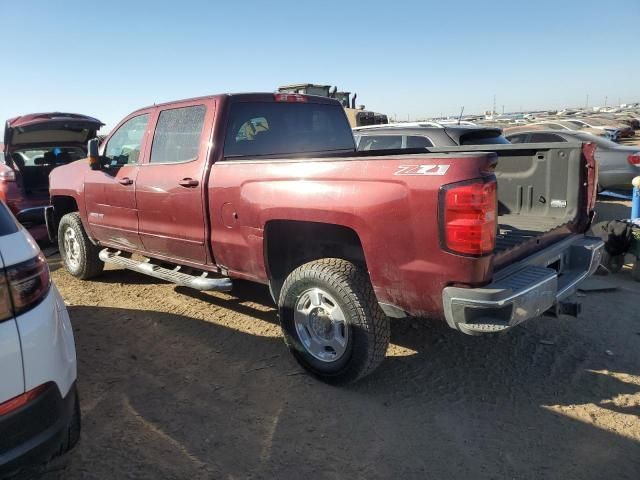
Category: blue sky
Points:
column 405, row 58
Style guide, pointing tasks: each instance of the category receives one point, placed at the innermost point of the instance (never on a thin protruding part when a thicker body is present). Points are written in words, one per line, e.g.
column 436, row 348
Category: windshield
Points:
column 280, row 128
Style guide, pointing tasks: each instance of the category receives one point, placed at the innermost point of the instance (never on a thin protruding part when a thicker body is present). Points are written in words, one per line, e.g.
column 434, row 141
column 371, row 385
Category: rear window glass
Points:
column 2, row 157
column 7, row 223
column 280, row 128
column 46, row 157
column 380, row 142
column 517, row 138
column 546, row 137
column 177, row 135
column 482, row 138
column 414, row 141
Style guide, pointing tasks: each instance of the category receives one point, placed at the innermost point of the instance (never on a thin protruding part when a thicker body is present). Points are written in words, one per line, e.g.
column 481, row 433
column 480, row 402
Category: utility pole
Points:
column 605, row 101
column 494, row 105
column 503, row 109
column 587, row 102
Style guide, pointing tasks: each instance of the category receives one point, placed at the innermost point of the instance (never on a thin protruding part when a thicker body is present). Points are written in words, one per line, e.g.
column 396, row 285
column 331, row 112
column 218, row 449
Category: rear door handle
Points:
column 125, row 181
column 188, row 182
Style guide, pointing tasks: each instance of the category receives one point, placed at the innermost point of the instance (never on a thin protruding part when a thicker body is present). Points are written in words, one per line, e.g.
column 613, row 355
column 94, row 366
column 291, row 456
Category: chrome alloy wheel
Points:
column 321, row 325
column 72, row 248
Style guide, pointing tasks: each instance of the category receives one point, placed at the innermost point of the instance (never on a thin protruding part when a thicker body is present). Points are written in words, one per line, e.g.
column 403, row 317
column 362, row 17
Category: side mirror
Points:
column 92, row 154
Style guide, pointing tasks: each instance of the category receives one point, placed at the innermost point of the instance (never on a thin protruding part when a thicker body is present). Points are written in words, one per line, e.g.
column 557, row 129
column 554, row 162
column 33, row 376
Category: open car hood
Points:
column 49, row 128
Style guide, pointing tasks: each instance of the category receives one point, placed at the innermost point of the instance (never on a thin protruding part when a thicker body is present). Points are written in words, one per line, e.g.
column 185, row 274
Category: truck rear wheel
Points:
column 79, row 255
column 332, row 322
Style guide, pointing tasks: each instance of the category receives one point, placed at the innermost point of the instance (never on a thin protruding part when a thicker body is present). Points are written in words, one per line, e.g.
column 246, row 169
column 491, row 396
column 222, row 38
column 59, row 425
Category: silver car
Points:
column 617, row 164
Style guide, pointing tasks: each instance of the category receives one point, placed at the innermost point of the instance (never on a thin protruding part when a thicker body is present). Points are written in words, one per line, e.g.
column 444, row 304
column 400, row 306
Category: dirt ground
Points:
column 180, row 384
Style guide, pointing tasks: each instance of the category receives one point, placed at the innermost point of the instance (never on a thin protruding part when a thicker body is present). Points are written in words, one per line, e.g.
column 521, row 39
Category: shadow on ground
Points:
column 167, row 396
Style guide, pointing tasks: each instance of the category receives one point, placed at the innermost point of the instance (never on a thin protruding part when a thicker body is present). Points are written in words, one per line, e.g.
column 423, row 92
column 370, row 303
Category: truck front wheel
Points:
column 332, row 322
column 79, row 255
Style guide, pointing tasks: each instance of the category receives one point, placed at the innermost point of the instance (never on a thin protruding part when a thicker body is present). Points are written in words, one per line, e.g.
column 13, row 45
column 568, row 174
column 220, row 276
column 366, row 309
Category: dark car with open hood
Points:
column 35, row 144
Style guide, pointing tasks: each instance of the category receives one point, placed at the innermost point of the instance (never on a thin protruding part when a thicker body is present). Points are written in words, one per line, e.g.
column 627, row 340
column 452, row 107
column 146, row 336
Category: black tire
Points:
column 613, row 263
column 72, row 435
column 369, row 328
column 88, row 264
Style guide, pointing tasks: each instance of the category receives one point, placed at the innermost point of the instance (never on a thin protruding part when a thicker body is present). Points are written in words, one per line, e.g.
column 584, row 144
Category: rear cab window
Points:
column 280, row 128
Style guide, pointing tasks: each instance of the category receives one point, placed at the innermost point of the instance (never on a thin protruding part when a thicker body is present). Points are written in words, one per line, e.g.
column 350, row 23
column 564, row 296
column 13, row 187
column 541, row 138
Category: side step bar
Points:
column 199, row 282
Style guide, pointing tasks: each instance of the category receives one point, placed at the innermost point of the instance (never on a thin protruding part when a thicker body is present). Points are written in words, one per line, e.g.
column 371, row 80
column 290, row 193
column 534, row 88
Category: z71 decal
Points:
column 422, row 170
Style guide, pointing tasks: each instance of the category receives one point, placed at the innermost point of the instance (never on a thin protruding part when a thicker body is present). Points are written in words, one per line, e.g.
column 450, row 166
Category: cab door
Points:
column 110, row 194
column 170, row 186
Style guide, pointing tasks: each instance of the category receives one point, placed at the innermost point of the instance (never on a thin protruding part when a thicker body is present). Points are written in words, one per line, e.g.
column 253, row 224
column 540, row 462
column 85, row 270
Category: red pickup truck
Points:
column 270, row 188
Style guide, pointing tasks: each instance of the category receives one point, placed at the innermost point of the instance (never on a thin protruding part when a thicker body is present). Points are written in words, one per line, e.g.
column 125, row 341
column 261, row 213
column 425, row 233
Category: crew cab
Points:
column 270, row 188
column 35, row 144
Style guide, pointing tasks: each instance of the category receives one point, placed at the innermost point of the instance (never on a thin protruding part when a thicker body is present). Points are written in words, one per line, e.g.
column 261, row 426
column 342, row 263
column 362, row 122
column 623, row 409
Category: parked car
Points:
column 39, row 413
column 622, row 130
column 561, row 125
column 270, row 188
column 617, row 164
column 628, row 119
column 398, row 136
column 33, row 146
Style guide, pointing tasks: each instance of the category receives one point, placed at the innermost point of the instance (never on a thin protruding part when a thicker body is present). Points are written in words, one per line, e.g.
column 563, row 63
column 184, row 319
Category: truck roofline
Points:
column 247, row 96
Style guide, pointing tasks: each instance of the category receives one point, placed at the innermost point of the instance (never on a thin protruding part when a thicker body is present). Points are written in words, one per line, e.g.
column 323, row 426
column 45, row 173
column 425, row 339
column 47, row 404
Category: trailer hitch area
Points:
column 565, row 307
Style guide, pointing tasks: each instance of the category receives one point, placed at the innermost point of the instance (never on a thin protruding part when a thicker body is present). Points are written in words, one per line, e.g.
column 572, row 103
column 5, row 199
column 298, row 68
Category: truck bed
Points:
column 514, row 230
column 539, row 196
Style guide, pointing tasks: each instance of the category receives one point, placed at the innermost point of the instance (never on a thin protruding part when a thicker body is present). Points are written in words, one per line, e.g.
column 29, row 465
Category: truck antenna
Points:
column 461, row 112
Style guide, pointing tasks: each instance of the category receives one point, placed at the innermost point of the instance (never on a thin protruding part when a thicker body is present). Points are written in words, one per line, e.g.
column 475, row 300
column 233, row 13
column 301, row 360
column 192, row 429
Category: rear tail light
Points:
column 29, row 283
column 23, row 286
column 634, row 159
column 7, row 176
column 290, row 97
column 17, row 402
column 468, row 219
column 5, row 299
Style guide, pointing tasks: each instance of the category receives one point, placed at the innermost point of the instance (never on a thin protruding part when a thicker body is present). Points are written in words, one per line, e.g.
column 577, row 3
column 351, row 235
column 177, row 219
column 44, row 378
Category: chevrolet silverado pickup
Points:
column 270, row 188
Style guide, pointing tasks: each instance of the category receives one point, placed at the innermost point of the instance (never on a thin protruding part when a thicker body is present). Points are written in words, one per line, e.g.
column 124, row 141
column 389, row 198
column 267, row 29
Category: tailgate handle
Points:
column 188, row 182
column 125, row 181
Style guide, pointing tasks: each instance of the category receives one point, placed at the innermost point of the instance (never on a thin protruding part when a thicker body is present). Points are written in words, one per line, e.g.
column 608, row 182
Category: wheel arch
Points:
column 62, row 204
column 291, row 243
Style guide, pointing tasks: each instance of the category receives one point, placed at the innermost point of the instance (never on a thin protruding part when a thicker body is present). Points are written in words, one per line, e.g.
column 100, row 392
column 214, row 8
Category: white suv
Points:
column 39, row 412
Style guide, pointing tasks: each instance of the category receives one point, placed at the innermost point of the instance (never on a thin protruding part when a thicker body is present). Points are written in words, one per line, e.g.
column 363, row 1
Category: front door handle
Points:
column 125, row 181
column 188, row 182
